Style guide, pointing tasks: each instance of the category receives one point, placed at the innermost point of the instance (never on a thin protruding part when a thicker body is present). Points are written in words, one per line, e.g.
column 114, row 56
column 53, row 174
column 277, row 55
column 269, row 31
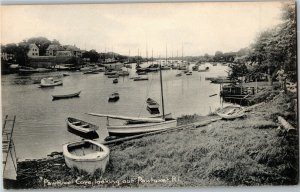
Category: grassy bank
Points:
column 246, row 151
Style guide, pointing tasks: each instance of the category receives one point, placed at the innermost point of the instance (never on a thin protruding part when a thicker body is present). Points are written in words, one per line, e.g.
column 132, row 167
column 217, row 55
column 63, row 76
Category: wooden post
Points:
column 256, row 85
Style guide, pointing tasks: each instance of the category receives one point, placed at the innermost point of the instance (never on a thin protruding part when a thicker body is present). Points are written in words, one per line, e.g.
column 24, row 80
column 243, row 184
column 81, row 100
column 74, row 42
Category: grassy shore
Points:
column 246, row 151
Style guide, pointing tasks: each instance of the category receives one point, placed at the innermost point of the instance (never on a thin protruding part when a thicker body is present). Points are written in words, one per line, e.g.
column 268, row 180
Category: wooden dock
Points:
column 8, row 149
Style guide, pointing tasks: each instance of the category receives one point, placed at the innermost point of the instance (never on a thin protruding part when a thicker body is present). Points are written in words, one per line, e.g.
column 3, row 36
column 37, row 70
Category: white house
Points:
column 33, row 51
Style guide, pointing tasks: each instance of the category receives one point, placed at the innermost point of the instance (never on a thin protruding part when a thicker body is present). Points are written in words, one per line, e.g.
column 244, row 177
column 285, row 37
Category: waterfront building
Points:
column 33, row 51
column 74, row 50
column 52, row 50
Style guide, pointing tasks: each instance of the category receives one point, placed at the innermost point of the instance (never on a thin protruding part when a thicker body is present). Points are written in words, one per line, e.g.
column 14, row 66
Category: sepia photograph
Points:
column 149, row 95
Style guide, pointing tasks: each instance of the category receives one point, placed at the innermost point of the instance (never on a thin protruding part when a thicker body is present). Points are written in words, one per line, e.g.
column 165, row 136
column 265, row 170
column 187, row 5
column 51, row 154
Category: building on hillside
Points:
column 64, row 54
column 7, row 56
column 33, row 51
column 52, row 50
column 75, row 51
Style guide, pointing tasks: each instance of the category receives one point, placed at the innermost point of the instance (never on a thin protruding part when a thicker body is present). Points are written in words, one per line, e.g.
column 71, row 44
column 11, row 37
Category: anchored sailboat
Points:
column 137, row 125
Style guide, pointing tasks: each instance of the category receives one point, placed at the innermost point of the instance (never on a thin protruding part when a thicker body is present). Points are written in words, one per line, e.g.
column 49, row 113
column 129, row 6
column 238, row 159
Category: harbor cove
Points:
column 138, row 95
column 42, row 121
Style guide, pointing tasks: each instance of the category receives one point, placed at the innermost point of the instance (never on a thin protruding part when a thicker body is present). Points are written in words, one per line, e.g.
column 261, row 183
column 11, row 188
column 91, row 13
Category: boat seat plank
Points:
column 76, row 123
column 85, row 125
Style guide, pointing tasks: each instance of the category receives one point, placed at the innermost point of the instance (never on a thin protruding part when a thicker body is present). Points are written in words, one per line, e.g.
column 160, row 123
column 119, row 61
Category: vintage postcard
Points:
column 138, row 95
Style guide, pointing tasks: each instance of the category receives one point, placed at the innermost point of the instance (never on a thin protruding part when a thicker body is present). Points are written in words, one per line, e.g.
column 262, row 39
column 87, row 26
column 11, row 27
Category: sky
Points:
column 189, row 28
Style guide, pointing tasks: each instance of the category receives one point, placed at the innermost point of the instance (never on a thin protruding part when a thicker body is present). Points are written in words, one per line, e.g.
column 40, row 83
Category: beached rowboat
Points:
column 231, row 112
column 67, row 95
column 86, row 155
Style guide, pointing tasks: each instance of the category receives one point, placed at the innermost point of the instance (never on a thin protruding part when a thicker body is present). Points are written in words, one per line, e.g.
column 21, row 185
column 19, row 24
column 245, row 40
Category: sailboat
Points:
column 138, row 125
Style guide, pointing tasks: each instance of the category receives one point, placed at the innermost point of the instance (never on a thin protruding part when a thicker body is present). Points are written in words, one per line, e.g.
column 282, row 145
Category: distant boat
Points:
column 231, row 112
column 165, row 67
column 66, row 74
column 29, row 70
column 50, row 82
column 152, row 106
column 203, row 70
column 86, row 155
column 115, row 81
column 91, row 72
column 189, row 73
column 114, row 97
column 147, row 125
column 179, row 75
column 110, row 72
column 140, row 78
column 66, row 96
column 123, row 73
column 141, row 72
column 195, row 68
column 113, row 76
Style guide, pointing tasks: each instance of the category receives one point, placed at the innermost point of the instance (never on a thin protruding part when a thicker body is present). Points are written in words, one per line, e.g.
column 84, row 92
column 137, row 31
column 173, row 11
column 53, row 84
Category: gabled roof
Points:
column 54, row 47
column 33, row 46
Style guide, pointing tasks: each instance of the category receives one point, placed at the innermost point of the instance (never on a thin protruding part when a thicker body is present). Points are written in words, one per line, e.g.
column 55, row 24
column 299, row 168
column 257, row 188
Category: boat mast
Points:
column 161, row 90
column 166, row 54
column 152, row 56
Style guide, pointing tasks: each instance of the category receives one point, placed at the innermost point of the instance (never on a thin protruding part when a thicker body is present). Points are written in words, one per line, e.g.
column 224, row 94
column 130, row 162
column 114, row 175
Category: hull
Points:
column 81, row 126
column 94, row 159
column 51, row 84
column 66, row 95
column 133, row 129
column 231, row 112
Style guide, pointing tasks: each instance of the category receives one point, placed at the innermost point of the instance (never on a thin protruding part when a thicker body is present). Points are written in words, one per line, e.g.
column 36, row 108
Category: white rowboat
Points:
column 86, row 155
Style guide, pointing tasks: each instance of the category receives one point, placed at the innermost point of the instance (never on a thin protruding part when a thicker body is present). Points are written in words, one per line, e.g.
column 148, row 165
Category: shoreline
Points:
column 246, row 151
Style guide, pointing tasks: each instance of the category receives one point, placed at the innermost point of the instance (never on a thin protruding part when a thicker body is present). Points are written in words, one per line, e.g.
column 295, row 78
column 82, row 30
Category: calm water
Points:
column 41, row 128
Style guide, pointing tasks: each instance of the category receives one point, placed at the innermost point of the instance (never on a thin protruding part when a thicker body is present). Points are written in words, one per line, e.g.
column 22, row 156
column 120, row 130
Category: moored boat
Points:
column 179, row 75
column 152, row 106
column 203, row 70
column 86, row 155
column 50, row 82
column 140, row 78
column 147, row 125
column 189, row 73
column 113, row 76
column 91, row 72
column 66, row 96
column 114, row 97
column 80, row 125
column 123, row 73
column 115, row 81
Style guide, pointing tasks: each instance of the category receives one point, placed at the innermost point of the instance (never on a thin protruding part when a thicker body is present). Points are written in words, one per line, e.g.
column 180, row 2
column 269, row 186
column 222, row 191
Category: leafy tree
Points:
column 41, row 42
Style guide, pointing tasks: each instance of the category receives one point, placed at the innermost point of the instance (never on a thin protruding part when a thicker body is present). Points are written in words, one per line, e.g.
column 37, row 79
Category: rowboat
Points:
column 203, row 70
column 139, row 125
column 189, row 73
column 140, row 78
column 179, row 75
column 114, row 97
column 110, row 72
column 91, row 72
column 66, row 96
column 50, row 82
column 115, row 81
column 231, row 112
column 123, row 73
column 152, row 106
column 81, row 126
column 87, row 155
